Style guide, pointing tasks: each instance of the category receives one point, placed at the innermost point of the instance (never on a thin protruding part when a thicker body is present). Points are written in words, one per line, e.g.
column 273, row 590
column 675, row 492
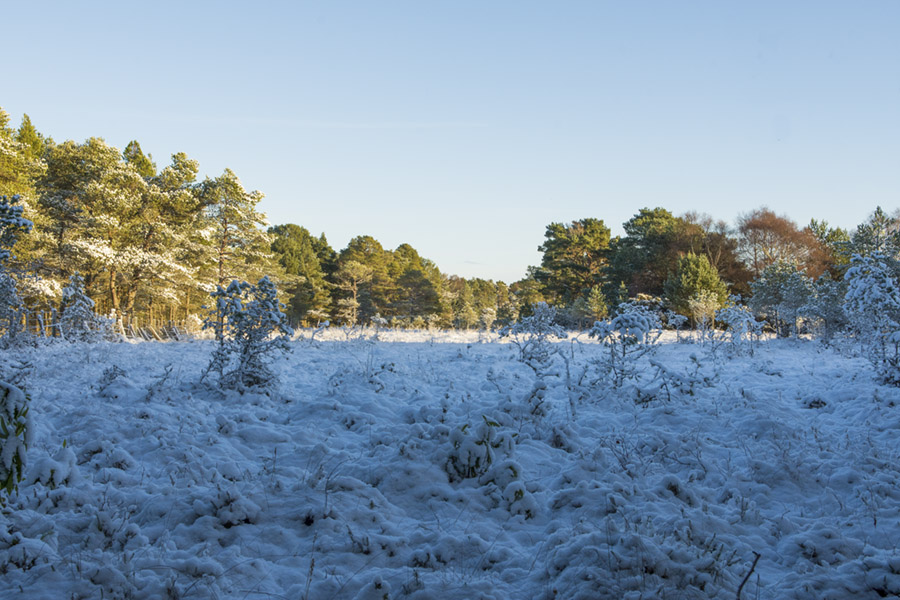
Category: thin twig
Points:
column 747, row 576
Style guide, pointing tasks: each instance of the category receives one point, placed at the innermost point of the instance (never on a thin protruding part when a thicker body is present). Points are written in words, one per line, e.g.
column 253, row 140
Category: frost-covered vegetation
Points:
column 414, row 468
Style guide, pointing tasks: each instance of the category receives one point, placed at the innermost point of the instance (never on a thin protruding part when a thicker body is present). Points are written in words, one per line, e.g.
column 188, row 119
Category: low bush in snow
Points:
column 627, row 337
column 250, row 328
column 78, row 322
column 533, row 336
column 486, row 453
column 741, row 327
column 15, row 435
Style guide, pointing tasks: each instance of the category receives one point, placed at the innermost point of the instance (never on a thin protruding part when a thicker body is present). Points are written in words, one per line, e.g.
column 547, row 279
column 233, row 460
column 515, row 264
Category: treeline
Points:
column 152, row 242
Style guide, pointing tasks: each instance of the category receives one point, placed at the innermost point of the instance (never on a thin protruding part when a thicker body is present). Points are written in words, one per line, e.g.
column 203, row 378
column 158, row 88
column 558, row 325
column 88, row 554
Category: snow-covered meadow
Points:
column 429, row 465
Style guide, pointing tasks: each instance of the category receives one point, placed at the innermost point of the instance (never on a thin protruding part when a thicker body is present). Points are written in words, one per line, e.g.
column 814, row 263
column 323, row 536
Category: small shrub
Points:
column 78, row 322
column 15, row 436
column 741, row 327
column 627, row 337
column 474, row 452
column 250, row 327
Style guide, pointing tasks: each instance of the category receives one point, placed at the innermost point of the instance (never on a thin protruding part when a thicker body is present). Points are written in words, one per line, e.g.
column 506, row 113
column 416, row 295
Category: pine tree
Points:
column 240, row 246
column 351, row 277
column 18, row 166
column 133, row 239
column 649, row 252
column 12, row 225
column 374, row 293
column 879, row 234
column 826, row 306
column 872, row 305
column 142, row 163
column 78, row 322
column 779, row 293
column 251, row 328
column 299, row 253
column 693, row 277
column 574, row 259
column 33, row 143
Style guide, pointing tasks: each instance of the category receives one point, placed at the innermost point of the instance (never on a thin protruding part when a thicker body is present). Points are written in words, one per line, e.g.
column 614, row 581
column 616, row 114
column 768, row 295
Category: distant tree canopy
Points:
column 151, row 243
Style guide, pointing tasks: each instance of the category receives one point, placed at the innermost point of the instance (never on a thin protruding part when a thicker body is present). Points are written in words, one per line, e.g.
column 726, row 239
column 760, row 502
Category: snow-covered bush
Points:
column 668, row 383
column 486, row 453
column 11, row 310
column 779, row 293
column 825, row 308
column 78, row 322
column 12, row 224
column 627, row 337
column 533, row 336
column 676, row 322
column 741, row 327
column 474, row 449
column 250, row 328
column 15, row 433
column 872, row 305
column 702, row 306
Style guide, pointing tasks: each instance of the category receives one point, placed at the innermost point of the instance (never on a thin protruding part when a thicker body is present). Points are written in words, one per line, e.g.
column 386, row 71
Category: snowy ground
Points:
column 350, row 481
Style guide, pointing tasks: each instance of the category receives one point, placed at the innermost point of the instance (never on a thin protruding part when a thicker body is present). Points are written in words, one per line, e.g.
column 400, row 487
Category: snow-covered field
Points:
column 359, row 478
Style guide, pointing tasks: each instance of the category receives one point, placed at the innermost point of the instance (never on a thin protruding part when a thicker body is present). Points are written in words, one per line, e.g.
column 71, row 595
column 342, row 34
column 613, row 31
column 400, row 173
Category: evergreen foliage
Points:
column 250, row 329
column 879, row 234
column 142, row 163
column 693, row 277
column 872, row 305
column 779, row 294
column 304, row 256
column 628, row 336
column 240, row 247
column 740, row 325
column 151, row 242
column 533, row 336
column 825, row 307
column 18, row 164
column 16, row 432
column 34, row 145
column 78, row 322
column 12, row 225
column 574, row 260
column 643, row 259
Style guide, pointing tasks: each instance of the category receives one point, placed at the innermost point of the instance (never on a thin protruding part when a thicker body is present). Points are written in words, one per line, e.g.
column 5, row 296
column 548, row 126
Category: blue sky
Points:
column 464, row 128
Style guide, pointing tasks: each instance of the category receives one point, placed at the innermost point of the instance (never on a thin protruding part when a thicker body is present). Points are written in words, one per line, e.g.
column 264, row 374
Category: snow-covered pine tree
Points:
column 11, row 309
column 78, row 322
column 15, row 429
column 825, row 308
column 12, row 225
column 628, row 336
column 872, row 305
column 740, row 325
column 15, row 437
column 533, row 335
column 250, row 327
column 778, row 294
